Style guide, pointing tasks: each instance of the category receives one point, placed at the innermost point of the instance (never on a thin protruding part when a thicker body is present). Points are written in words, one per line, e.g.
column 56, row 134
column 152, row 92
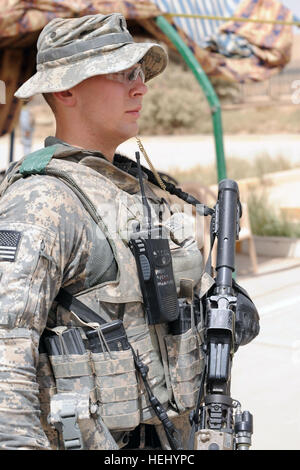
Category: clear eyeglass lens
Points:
column 135, row 73
column 128, row 76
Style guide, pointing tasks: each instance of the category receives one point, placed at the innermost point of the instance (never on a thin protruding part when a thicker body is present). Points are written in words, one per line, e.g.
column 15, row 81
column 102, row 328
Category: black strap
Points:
column 194, row 417
column 157, row 407
column 126, row 164
column 208, row 267
column 69, row 302
column 195, row 414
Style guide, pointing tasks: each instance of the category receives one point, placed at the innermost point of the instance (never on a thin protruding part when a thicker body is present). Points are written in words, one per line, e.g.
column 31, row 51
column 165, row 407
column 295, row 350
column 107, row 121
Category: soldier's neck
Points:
column 88, row 142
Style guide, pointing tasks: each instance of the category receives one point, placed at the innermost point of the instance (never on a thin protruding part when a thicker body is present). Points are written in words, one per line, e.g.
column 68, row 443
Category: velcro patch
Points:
column 9, row 241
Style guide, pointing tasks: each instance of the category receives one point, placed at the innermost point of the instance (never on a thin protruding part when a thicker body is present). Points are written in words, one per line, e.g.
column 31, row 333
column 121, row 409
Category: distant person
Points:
column 26, row 122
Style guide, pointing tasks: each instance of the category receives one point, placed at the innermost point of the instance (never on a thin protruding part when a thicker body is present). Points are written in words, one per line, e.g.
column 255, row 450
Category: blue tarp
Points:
column 206, row 33
column 198, row 29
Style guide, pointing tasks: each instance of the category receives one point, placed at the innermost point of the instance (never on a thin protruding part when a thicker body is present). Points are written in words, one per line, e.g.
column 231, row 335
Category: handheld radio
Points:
column 154, row 265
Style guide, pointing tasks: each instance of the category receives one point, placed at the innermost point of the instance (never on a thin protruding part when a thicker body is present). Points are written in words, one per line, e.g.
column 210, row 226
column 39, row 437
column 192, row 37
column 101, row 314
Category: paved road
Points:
column 266, row 373
column 167, row 152
column 187, row 151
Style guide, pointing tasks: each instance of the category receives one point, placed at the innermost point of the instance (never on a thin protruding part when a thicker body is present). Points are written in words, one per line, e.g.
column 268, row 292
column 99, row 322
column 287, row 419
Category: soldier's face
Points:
column 110, row 107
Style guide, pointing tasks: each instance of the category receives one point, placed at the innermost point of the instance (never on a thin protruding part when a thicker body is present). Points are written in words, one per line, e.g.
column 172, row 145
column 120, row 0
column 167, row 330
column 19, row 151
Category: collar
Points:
column 74, row 154
column 123, row 170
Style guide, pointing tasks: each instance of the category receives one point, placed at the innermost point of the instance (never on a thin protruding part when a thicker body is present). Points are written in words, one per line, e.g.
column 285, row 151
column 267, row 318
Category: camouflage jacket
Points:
column 49, row 240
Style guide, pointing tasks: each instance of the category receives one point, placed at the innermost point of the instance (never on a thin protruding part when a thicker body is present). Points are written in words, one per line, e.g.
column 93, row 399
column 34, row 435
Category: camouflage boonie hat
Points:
column 72, row 50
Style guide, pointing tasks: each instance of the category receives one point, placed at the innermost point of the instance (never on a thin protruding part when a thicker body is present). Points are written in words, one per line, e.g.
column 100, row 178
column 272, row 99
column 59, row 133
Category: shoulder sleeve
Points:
column 42, row 233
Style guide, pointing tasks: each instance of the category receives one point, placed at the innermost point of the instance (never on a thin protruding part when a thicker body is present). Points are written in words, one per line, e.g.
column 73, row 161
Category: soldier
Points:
column 65, row 214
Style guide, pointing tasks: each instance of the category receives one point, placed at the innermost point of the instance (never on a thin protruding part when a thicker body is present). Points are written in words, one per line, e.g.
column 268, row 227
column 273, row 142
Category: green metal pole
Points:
column 207, row 88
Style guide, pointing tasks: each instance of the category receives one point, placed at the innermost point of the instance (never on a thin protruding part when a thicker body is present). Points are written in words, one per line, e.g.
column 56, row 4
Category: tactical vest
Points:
column 110, row 390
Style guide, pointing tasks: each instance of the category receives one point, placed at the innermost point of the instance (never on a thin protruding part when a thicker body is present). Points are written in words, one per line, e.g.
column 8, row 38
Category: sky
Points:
column 293, row 5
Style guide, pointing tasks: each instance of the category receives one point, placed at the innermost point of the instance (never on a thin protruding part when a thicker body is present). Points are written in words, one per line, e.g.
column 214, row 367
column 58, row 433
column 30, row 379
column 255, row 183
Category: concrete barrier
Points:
column 275, row 247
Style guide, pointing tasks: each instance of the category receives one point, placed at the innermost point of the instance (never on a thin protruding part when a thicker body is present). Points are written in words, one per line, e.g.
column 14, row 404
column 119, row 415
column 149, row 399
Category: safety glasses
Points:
column 127, row 76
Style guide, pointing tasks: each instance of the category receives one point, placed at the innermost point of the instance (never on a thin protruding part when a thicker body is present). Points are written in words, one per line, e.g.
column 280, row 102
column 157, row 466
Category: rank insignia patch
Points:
column 9, row 241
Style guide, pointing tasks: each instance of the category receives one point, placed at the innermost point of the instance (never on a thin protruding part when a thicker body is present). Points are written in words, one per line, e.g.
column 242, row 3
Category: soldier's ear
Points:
column 66, row 97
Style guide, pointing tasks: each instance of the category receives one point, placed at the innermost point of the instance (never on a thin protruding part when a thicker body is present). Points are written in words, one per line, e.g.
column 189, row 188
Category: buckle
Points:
column 66, row 423
column 70, row 429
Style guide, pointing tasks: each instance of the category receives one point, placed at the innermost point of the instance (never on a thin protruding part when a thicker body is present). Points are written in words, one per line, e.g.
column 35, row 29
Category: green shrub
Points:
column 203, row 174
column 228, row 92
column 265, row 221
column 174, row 104
column 237, row 168
column 264, row 163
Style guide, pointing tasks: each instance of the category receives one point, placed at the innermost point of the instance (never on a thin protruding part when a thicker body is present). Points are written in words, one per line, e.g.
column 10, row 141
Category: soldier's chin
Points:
column 131, row 130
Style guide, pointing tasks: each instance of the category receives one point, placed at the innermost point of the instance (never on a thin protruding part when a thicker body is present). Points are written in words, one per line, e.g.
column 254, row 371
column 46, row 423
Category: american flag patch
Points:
column 9, row 241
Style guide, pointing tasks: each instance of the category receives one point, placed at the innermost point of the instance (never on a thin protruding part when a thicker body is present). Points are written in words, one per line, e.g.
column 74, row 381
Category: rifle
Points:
column 215, row 426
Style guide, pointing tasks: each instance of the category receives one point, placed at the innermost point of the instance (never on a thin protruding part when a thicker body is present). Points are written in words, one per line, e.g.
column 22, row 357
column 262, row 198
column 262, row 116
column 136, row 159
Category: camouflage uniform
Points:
column 65, row 221
column 70, row 51
column 61, row 245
